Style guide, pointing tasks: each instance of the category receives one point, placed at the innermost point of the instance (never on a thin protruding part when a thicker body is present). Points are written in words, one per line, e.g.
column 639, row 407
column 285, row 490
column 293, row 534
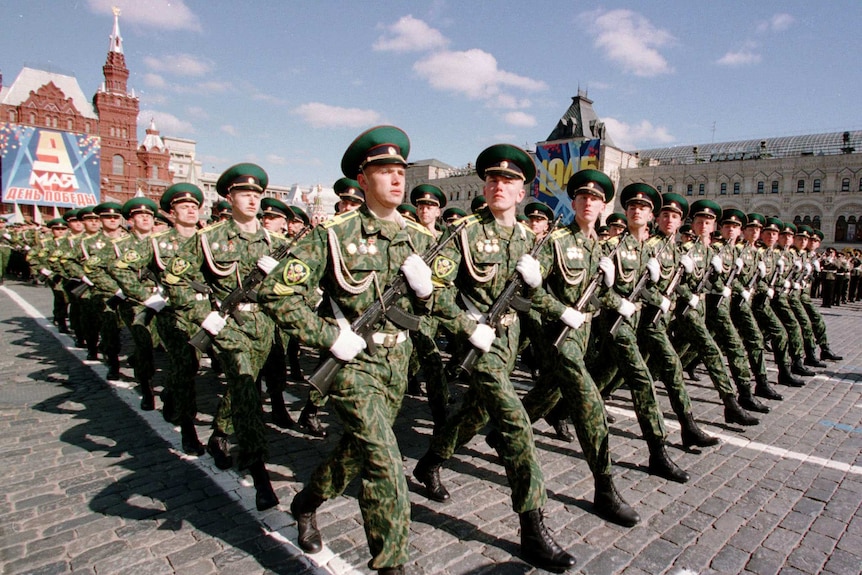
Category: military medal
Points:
column 372, row 246
column 495, row 245
column 351, row 248
column 215, row 245
column 363, row 249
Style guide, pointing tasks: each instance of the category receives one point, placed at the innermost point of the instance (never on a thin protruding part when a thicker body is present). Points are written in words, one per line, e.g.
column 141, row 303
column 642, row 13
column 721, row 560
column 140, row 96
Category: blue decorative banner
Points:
column 555, row 164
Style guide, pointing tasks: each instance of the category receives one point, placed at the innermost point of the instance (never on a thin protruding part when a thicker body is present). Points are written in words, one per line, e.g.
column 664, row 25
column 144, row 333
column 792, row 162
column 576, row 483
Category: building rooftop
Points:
column 30, row 80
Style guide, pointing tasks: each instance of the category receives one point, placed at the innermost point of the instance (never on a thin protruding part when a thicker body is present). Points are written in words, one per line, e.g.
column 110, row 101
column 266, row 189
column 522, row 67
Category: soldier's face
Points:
column 274, row 223
column 751, row 234
column 245, row 203
column 730, row 231
column 348, row 205
column 615, row 229
column 185, row 213
column 668, row 222
column 769, row 237
column 427, row 213
column 58, row 232
column 588, row 208
column 76, row 227
column 800, row 242
column 813, row 244
column 295, row 226
column 142, row 223
column 503, row 194
column 638, row 214
column 111, row 223
column 785, row 240
column 92, row 225
column 703, row 226
column 383, row 185
column 539, row 225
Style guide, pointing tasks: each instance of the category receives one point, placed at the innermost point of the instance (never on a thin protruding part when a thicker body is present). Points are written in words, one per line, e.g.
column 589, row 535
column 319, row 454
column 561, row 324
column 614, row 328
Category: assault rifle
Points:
column 508, row 298
column 701, row 285
column 639, row 287
column 733, row 273
column 674, row 283
column 383, row 307
column 242, row 293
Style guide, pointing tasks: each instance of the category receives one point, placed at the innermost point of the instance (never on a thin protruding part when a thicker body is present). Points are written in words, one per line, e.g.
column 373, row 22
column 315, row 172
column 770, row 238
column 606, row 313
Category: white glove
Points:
column 609, row 271
column 797, row 265
column 418, row 276
column 797, row 285
column 156, row 302
column 725, row 293
column 87, row 281
column 687, row 263
column 770, row 293
column 808, row 267
column 717, row 264
column 27, row 248
column 7, row 236
column 483, row 336
column 45, row 272
column 786, row 284
column 347, row 345
column 119, row 293
column 530, row 270
column 267, row 263
column 817, row 265
column 761, row 269
column 626, row 308
column 573, row 318
column 664, row 306
column 739, row 264
column 780, row 264
column 214, row 323
column 694, row 301
column 746, row 295
column 653, row 267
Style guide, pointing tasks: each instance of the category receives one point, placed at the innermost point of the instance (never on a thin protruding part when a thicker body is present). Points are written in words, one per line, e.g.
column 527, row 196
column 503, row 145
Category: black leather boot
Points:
column 538, row 547
column 113, row 368
column 559, row 420
column 169, row 412
column 392, row 570
column 660, row 463
column 609, row 504
column 427, row 472
column 61, row 326
column 191, row 444
column 811, row 359
column 148, row 400
column 414, row 388
column 785, row 377
column 764, row 390
column 304, row 510
column 439, row 412
column 826, row 353
column 264, row 497
column 749, row 402
column 219, row 447
column 733, row 412
column 798, row 369
column 280, row 416
column 309, row 422
column 692, row 435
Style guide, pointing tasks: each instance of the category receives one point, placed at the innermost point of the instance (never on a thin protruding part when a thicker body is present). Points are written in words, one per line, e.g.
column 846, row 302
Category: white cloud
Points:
column 410, row 34
column 276, row 160
column 197, row 112
column 161, row 14
column 205, row 88
column 635, row 136
column 230, row 130
column 473, row 73
column 320, row 115
column 778, row 23
column 166, row 123
column 744, row 56
column 154, row 81
column 180, row 64
column 520, row 119
column 630, row 40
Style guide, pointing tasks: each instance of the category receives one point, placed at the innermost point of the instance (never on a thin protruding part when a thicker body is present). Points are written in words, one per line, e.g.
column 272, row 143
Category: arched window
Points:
column 737, row 188
column 761, row 187
column 13, row 116
column 723, row 190
column 774, row 189
column 701, row 189
column 669, row 188
column 851, row 229
column 845, row 185
column 155, row 173
column 797, row 221
column 816, row 186
column 840, row 229
column 69, row 124
column 800, row 186
column 815, row 222
column 689, row 189
column 118, row 165
column 33, row 122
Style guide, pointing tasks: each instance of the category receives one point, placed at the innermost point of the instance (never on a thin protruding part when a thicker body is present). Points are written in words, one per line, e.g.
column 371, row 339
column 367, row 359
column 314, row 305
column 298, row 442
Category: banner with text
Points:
column 555, row 164
column 48, row 167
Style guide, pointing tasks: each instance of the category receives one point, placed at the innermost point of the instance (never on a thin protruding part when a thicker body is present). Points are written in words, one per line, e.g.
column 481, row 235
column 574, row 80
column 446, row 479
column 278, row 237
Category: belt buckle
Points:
column 390, row 340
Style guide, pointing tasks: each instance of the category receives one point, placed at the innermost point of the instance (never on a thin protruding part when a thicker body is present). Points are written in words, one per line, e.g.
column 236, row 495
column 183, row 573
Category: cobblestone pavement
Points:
column 90, row 484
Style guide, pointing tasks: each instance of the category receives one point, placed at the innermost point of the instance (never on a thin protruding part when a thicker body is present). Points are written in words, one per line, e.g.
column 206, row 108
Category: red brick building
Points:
column 49, row 100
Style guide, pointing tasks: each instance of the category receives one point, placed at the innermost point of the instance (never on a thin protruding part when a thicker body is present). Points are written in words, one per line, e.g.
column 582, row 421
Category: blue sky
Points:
column 288, row 84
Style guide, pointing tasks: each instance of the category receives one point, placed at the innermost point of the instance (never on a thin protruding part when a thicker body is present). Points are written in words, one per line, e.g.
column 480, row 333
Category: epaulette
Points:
column 525, row 228
column 117, row 241
column 653, row 241
column 279, row 236
column 688, row 245
column 612, row 242
column 418, row 227
column 161, row 233
column 212, row 227
column 340, row 219
column 559, row 232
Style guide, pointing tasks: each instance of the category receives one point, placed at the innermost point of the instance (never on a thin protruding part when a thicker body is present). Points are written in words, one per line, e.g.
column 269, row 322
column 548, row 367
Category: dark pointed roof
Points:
column 580, row 122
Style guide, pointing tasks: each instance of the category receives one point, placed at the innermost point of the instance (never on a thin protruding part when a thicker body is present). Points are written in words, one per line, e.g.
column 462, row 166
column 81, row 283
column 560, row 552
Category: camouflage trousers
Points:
column 808, row 339
column 242, row 351
column 60, row 310
column 367, row 394
column 785, row 314
column 274, row 370
column 817, row 323
column 620, row 353
column 566, row 377
column 5, row 253
column 75, row 315
column 182, row 364
column 749, row 332
column 692, row 339
column 663, row 361
column 771, row 328
column 145, row 367
column 721, row 327
column 426, row 356
column 491, row 397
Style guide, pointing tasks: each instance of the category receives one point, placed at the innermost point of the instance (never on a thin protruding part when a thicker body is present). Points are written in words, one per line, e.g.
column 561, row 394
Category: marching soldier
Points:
column 451, row 214
column 353, row 257
column 817, row 323
column 5, row 249
column 493, row 247
column 45, row 259
column 616, row 223
column 350, row 195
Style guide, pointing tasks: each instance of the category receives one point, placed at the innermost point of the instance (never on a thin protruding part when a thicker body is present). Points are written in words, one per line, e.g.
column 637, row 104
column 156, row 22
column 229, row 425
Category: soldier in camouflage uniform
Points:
column 139, row 290
column 70, row 270
column 570, row 260
column 5, row 249
column 688, row 327
column 352, row 258
column 817, row 323
column 46, row 260
column 223, row 255
column 622, row 348
column 491, row 248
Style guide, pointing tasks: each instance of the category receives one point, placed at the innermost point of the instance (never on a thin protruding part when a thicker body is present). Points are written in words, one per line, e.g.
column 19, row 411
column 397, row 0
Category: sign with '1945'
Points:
column 48, row 167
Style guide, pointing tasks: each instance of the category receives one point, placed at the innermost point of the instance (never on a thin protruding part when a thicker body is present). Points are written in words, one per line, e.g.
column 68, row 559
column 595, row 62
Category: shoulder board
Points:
column 212, row 227
column 279, row 236
column 560, row 232
column 472, row 220
column 162, row 233
column 418, row 227
column 612, row 242
column 119, row 240
column 340, row 219
column 525, row 231
column 653, row 241
column 688, row 245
